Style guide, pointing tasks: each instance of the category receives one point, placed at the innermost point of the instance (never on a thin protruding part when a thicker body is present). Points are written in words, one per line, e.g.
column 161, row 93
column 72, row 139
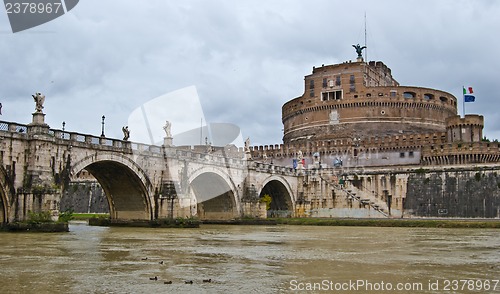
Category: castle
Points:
column 357, row 114
column 368, row 146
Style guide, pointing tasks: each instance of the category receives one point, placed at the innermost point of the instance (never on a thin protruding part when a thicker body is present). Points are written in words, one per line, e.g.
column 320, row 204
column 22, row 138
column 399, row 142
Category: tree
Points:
column 267, row 199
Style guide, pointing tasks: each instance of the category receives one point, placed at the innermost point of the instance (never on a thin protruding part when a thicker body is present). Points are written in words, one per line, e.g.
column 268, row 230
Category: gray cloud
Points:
column 246, row 58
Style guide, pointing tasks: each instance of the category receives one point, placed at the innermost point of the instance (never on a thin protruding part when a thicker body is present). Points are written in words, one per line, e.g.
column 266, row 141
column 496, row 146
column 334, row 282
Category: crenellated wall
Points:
column 465, row 129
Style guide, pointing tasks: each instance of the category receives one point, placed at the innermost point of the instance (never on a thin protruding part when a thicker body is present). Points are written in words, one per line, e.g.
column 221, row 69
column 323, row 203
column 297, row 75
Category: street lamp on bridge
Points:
column 102, row 130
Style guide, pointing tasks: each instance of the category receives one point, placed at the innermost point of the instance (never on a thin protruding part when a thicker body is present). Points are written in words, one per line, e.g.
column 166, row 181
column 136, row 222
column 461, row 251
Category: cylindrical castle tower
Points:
column 467, row 129
column 356, row 100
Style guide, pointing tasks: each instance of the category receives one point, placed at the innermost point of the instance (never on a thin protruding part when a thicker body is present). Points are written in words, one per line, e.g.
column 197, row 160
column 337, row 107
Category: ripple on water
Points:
column 260, row 259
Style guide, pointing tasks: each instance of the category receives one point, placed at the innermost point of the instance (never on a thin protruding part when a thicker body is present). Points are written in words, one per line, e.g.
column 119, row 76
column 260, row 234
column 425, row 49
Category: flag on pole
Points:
column 468, row 97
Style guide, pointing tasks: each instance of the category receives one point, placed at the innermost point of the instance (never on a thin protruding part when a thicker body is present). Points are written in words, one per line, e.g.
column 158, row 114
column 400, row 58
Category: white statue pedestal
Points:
column 38, row 118
column 167, row 141
column 38, row 125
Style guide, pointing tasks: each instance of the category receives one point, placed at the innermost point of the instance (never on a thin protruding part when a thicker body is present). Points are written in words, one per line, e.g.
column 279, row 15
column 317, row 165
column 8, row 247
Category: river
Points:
column 251, row 259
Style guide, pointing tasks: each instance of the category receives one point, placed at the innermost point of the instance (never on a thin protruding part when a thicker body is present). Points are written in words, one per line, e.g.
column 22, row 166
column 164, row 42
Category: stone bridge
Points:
column 140, row 181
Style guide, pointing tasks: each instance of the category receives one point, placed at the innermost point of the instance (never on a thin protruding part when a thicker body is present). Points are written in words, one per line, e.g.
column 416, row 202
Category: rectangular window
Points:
column 333, row 95
column 338, row 95
column 311, row 84
column 337, row 80
column 410, row 154
column 311, row 93
column 393, row 93
column 324, row 83
column 351, row 79
column 402, row 154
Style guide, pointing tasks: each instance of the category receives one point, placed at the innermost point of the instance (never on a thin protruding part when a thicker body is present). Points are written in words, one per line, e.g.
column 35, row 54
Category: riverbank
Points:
column 103, row 220
column 159, row 223
column 87, row 216
column 243, row 221
column 412, row 223
column 54, row 227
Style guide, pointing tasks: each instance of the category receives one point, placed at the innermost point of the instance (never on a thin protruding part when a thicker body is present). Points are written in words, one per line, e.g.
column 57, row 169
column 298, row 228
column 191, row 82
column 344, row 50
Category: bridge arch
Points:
column 282, row 198
column 215, row 193
column 126, row 185
column 6, row 193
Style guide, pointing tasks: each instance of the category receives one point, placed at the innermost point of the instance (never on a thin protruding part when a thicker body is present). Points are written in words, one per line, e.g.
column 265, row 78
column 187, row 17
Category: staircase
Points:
column 364, row 198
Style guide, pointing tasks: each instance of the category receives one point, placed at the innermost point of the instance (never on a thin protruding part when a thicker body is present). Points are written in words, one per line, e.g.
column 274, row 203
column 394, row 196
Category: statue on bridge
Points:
column 126, row 133
column 248, row 154
column 247, row 145
column 300, row 156
column 167, row 130
column 39, row 100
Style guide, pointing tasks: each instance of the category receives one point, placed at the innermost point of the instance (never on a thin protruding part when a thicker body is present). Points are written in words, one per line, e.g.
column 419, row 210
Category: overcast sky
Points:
column 244, row 58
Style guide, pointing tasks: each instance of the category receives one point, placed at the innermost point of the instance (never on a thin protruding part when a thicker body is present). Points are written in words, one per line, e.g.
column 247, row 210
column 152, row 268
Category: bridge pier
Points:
column 39, row 192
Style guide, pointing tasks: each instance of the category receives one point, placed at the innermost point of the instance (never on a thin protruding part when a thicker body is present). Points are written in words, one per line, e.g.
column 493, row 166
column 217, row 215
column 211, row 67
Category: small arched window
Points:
column 409, row 95
column 428, row 96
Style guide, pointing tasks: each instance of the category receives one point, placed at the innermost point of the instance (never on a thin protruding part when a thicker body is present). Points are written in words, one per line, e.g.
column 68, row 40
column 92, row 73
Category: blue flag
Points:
column 469, row 98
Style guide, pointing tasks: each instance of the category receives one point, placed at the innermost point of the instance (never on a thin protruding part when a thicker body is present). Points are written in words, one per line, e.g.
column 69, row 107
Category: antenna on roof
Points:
column 366, row 55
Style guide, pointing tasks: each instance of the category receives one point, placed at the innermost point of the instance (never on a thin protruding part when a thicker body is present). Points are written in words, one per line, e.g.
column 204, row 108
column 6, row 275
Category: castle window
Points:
column 428, row 97
column 311, row 84
column 351, row 79
column 443, row 99
column 333, row 95
column 330, row 82
column 337, row 80
column 311, row 93
column 410, row 154
column 402, row 154
column 393, row 93
column 324, row 82
column 409, row 95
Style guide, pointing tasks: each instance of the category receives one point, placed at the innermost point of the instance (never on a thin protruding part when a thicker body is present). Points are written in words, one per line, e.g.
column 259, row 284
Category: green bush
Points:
column 39, row 217
column 66, row 216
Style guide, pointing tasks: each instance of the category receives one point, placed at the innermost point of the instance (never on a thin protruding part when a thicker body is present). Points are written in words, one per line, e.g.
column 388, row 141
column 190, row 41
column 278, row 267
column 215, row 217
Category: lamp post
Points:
column 102, row 133
column 63, row 125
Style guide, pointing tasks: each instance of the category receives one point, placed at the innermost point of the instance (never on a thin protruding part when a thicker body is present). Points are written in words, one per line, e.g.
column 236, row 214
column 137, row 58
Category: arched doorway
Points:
column 281, row 201
column 215, row 198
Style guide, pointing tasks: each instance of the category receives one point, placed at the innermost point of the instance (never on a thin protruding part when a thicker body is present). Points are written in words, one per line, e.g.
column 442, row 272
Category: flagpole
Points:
column 463, row 99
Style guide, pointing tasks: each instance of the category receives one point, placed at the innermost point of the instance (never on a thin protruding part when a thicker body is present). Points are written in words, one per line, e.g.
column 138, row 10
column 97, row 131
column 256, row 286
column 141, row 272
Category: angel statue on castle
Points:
column 39, row 100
